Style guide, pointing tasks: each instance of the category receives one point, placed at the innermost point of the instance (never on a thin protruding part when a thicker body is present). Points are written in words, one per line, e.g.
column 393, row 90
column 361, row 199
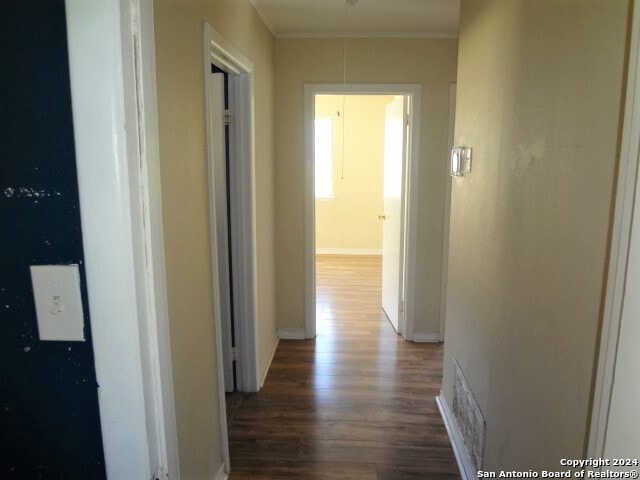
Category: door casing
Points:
column 624, row 216
column 409, row 195
column 114, row 103
column 447, row 217
column 221, row 53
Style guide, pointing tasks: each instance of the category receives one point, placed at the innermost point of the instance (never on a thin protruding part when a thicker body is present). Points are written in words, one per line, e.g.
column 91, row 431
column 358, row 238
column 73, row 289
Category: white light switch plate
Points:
column 56, row 290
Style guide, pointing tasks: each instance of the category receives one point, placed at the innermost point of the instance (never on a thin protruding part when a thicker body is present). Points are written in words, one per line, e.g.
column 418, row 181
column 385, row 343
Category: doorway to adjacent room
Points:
column 361, row 159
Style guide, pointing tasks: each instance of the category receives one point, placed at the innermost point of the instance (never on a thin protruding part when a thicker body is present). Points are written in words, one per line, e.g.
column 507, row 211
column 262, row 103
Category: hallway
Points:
column 355, row 403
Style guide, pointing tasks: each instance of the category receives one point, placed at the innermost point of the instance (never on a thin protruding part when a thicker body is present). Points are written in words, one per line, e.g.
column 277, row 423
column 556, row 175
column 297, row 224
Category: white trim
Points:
column 220, row 52
column 225, row 55
column 243, row 234
column 620, row 244
column 222, row 474
column 467, row 472
column 414, row 92
column 349, row 251
column 243, row 204
column 368, row 35
column 291, row 334
column 115, row 127
column 447, row 213
column 420, row 337
column 215, row 261
column 144, row 166
column 273, row 354
column 309, row 216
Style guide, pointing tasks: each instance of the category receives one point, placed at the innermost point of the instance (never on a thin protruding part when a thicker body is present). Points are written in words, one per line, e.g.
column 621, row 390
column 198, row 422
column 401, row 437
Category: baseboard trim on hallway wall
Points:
column 222, row 474
column 348, row 251
column 455, row 436
column 273, row 353
column 426, row 337
column 291, row 334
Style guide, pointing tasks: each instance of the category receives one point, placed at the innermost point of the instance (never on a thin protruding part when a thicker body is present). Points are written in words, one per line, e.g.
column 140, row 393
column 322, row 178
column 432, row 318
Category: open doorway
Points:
column 230, row 157
column 359, row 153
column 360, row 207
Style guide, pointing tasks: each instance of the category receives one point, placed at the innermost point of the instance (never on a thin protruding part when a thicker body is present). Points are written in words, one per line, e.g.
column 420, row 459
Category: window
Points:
column 324, row 157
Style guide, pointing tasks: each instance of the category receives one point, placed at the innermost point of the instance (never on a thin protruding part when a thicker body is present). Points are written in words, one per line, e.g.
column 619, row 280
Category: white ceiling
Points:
column 308, row 18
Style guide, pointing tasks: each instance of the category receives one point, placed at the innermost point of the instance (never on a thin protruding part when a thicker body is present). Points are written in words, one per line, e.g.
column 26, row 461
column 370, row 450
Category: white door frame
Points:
column 220, row 52
column 447, row 215
column 410, row 196
column 620, row 246
column 114, row 104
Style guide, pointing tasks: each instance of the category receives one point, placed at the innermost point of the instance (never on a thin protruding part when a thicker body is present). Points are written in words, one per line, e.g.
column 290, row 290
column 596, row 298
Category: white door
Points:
column 394, row 155
column 219, row 224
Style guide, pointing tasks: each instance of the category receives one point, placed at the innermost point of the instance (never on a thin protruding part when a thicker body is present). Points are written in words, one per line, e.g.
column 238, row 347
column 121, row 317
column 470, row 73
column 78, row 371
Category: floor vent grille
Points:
column 469, row 418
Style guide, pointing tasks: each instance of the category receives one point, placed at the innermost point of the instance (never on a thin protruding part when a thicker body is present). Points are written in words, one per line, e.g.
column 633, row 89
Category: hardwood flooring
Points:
column 356, row 403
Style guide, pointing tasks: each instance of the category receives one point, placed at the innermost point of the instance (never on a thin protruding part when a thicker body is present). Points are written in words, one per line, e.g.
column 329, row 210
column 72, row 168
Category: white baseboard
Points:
column 222, row 473
column 459, row 449
column 426, row 337
column 273, row 353
column 291, row 334
column 348, row 251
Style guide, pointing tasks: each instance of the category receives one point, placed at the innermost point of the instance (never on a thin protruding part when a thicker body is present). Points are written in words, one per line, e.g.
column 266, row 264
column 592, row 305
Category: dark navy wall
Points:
column 49, row 418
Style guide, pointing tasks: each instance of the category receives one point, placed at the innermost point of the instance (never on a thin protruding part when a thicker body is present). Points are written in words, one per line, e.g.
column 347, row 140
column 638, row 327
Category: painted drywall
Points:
column 350, row 221
column 179, row 27
column 429, row 62
column 539, row 96
column 49, row 415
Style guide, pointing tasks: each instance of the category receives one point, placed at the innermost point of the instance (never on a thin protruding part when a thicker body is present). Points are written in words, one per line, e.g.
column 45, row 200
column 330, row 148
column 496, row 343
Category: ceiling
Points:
column 326, row 18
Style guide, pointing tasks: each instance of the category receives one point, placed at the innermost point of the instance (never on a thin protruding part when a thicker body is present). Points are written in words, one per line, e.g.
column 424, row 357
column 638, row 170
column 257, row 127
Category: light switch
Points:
column 56, row 291
column 460, row 161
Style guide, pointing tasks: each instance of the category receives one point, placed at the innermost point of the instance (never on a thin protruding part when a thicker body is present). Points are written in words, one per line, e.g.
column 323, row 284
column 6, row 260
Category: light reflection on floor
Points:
column 348, row 312
column 357, row 402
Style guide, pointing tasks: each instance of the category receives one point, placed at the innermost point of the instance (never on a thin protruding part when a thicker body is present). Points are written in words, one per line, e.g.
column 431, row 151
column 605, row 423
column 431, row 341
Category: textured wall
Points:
column 539, row 95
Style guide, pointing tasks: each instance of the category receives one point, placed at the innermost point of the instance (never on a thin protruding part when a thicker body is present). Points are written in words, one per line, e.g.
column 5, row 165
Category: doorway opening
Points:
column 359, row 155
column 231, row 185
column 361, row 171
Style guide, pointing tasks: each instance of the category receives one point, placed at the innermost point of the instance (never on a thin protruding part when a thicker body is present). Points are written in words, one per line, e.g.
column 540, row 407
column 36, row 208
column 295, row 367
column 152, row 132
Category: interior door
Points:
column 220, row 222
column 394, row 154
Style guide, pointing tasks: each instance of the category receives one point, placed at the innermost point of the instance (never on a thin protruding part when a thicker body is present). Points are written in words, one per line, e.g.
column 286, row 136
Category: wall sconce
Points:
column 460, row 161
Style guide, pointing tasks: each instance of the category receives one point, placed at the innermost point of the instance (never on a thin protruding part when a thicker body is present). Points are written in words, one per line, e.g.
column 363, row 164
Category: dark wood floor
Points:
column 355, row 403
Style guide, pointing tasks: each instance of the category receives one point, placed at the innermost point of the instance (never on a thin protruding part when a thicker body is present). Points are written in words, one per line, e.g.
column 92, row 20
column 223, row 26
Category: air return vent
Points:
column 469, row 418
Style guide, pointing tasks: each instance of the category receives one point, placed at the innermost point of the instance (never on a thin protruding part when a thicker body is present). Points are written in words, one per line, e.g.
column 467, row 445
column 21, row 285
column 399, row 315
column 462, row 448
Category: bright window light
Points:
column 324, row 157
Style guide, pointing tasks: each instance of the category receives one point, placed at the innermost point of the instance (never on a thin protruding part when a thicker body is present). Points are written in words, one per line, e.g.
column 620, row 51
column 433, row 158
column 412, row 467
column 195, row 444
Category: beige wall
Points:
column 179, row 58
column 350, row 220
column 429, row 62
column 539, row 92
